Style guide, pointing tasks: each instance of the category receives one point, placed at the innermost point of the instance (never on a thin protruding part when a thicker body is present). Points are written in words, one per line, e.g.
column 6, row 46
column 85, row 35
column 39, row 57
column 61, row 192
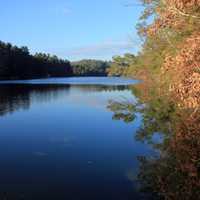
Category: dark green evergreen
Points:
column 18, row 63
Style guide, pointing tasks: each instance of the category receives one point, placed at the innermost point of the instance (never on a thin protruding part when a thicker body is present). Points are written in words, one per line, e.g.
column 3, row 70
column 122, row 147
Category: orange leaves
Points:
column 175, row 14
column 186, row 82
column 179, row 19
column 184, row 4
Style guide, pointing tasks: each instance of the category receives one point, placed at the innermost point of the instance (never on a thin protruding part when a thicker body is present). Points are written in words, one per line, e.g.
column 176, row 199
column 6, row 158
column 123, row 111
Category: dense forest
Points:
column 90, row 68
column 18, row 63
column 168, row 97
column 169, row 59
column 170, row 53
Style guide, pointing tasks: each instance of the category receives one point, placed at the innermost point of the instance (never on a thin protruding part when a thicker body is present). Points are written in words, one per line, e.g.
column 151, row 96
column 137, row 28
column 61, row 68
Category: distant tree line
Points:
column 18, row 63
column 90, row 67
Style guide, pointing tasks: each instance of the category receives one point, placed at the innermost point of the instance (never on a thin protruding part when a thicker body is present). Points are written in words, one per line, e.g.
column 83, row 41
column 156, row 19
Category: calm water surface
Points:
column 58, row 140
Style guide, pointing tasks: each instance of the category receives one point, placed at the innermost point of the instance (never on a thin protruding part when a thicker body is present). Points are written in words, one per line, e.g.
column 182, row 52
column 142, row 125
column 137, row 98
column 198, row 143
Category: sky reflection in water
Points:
column 58, row 141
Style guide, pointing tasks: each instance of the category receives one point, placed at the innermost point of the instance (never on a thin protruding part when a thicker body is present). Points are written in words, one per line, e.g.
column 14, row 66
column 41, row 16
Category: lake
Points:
column 59, row 140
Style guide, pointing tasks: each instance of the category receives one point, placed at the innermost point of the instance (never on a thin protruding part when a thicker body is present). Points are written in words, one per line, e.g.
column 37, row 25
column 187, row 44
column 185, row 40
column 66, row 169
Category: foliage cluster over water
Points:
column 170, row 52
column 168, row 98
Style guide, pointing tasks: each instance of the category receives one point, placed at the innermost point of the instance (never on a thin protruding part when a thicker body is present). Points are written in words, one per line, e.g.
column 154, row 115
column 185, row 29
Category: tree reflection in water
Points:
column 14, row 97
column 174, row 173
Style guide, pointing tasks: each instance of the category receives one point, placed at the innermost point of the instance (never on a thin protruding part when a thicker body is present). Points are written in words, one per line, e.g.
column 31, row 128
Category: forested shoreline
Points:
column 170, row 53
column 166, row 102
column 18, row 63
column 88, row 67
column 169, row 65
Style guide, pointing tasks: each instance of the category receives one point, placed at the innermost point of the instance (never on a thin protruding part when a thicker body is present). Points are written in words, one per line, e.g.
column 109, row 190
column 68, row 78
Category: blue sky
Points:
column 71, row 29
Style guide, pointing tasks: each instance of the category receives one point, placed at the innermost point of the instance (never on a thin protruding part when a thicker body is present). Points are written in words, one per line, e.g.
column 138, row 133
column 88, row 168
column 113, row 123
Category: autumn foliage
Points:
column 169, row 65
column 180, row 17
column 178, row 169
